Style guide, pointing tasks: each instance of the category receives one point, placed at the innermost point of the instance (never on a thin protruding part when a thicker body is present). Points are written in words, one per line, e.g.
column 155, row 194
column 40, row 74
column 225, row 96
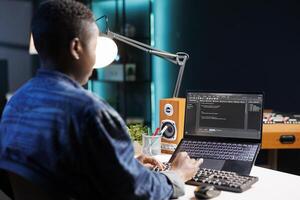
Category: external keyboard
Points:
column 222, row 180
column 219, row 150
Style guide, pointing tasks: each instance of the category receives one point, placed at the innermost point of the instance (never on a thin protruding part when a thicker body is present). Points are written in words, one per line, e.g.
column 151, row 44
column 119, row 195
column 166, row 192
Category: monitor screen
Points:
column 224, row 115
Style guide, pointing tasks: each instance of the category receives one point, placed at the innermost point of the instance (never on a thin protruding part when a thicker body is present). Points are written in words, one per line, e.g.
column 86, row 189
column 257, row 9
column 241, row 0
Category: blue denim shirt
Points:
column 61, row 137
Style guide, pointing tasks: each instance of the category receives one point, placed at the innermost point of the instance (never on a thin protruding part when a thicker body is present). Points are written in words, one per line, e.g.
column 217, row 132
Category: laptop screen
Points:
column 224, row 115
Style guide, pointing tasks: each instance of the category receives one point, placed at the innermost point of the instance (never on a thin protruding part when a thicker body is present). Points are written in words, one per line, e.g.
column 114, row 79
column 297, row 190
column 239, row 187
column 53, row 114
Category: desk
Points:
column 272, row 185
column 271, row 140
column 3, row 196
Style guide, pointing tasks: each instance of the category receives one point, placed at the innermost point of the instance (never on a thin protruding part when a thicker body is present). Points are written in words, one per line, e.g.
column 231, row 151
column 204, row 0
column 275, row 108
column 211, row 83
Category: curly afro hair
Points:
column 56, row 23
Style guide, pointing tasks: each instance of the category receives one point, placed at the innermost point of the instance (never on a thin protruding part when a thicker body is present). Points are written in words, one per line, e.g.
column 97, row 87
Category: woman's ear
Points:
column 75, row 48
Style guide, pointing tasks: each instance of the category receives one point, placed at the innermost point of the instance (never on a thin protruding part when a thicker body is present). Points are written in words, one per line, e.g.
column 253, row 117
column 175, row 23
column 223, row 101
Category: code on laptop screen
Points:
column 224, row 115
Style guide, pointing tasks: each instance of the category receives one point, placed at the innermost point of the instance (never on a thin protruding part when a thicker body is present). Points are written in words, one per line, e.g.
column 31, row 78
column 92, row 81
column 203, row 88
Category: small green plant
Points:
column 136, row 131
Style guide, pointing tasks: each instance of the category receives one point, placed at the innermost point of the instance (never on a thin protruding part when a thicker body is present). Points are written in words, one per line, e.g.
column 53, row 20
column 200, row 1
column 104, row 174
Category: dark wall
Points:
column 241, row 45
column 14, row 39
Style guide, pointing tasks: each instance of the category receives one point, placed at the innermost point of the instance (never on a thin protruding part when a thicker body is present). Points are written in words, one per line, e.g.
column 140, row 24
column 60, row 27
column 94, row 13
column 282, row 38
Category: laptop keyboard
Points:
column 219, row 150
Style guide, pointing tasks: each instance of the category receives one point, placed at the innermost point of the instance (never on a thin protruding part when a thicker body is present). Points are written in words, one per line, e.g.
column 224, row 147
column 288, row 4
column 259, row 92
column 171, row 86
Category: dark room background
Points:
column 240, row 45
column 235, row 45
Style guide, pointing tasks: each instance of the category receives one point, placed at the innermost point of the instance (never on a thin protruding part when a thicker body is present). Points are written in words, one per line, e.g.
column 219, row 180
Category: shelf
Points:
column 126, row 84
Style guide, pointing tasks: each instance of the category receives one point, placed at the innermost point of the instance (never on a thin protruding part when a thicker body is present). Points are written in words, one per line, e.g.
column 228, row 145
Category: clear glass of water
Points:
column 151, row 145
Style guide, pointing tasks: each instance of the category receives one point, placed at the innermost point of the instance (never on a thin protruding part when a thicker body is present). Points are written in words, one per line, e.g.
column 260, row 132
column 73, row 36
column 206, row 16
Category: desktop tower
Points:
column 171, row 114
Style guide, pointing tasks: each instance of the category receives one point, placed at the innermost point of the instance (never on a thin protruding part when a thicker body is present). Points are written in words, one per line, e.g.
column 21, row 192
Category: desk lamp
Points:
column 110, row 51
column 172, row 110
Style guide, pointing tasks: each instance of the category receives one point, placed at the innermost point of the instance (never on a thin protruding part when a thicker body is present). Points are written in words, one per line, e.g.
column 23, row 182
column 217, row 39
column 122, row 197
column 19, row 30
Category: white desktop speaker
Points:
column 171, row 114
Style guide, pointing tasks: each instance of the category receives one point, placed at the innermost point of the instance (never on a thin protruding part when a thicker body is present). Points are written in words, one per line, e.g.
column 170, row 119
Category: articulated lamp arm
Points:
column 147, row 48
column 179, row 58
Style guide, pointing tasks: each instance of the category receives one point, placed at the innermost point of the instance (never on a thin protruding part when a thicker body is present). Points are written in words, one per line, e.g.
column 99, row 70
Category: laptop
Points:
column 225, row 129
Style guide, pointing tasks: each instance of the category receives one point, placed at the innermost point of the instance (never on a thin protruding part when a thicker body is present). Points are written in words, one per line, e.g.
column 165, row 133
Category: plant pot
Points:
column 137, row 148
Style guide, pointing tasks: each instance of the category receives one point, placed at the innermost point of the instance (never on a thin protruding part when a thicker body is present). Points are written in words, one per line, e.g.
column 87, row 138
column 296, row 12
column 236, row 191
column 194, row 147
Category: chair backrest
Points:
column 25, row 190
column 5, row 186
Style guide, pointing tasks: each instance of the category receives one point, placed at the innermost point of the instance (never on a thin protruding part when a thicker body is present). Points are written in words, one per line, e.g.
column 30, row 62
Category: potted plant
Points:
column 136, row 132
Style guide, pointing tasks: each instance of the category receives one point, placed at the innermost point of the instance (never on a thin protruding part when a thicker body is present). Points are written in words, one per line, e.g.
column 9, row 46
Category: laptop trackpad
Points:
column 212, row 164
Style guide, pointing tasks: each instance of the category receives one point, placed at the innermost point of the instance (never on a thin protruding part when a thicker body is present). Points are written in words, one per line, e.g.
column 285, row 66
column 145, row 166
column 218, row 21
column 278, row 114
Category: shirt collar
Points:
column 57, row 75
